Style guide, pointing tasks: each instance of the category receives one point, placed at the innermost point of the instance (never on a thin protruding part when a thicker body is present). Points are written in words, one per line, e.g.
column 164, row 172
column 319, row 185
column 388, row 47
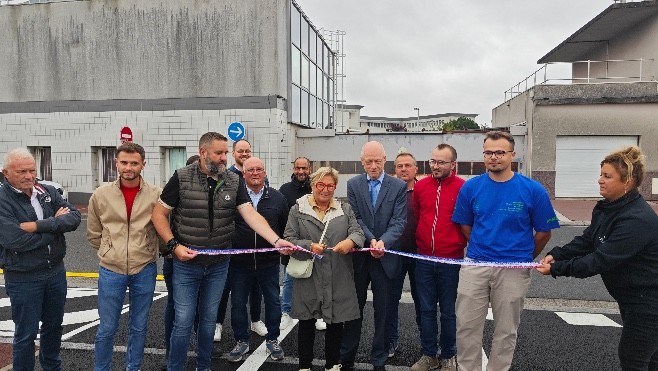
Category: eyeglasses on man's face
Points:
column 497, row 154
column 322, row 186
column 256, row 170
column 434, row 162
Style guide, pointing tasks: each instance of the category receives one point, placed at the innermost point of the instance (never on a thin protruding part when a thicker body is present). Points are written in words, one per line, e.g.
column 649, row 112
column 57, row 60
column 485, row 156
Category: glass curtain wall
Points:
column 311, row 104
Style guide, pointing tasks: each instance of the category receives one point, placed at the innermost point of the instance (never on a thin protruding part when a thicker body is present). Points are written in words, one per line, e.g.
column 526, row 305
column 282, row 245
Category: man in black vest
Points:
column 202, row 200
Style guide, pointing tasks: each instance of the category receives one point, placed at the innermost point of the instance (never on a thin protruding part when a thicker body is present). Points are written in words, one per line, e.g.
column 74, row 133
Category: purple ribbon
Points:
column 435, row 259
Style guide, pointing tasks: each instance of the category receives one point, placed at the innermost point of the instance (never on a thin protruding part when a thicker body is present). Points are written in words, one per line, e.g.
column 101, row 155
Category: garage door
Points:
column 577, row 162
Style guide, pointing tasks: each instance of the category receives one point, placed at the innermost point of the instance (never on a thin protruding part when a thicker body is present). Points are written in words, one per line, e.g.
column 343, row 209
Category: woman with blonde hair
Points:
column 316, row 223
column 621, row 244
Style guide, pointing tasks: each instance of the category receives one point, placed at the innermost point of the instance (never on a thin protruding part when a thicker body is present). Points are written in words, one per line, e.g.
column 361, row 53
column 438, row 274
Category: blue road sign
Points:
column 236, row 131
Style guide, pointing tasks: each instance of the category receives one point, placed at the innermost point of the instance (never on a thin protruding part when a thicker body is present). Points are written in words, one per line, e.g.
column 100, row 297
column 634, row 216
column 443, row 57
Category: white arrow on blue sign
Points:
column 236, row 131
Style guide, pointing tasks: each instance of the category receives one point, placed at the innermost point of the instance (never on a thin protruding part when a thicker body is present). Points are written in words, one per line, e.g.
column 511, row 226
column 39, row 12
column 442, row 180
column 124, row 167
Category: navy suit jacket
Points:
column 386, row 220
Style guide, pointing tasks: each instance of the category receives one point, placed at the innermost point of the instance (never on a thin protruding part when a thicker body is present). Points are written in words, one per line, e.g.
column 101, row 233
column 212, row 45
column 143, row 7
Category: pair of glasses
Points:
column 321, row 186
column 497, row 154
column 433, row 162
column 257, row 170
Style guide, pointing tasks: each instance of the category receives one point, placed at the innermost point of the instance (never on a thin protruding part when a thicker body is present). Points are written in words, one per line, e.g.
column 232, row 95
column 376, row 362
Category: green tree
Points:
column 462, row 123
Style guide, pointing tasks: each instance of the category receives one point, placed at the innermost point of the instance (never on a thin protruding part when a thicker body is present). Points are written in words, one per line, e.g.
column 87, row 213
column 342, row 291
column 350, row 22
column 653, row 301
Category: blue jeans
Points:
column 242, row 280
column 408, row 265
column 111, row 294
column 286, row 292
column 254, row 300
column 167, row 272
column 195, row 285
column 32, row 302
column 437, row 282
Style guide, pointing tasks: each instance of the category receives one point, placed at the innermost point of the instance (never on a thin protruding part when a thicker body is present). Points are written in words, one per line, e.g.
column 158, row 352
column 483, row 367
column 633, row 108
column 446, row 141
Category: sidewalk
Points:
column 579, row 211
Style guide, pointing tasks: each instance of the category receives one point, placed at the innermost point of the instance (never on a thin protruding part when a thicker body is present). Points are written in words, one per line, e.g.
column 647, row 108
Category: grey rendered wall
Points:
column 143, row 49
column 639, row 42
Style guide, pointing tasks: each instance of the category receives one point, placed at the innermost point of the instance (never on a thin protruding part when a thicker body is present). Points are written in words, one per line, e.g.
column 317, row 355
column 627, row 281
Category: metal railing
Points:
column 540, row 76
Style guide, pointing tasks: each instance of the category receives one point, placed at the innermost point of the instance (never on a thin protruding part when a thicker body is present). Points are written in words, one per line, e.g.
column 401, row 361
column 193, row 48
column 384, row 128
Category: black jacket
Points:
column 273, row 207
column 292, row 191
column 621, row 244
column 33, row 256
column 295, row 189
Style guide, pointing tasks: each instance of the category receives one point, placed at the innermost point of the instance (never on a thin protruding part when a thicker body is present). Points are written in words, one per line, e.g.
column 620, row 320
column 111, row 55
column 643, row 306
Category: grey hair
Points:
column 16, row 154
column 323, row 172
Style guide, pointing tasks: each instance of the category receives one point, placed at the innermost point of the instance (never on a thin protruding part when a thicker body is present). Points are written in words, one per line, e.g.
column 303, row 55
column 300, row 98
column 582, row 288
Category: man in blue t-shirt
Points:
column 506, row 217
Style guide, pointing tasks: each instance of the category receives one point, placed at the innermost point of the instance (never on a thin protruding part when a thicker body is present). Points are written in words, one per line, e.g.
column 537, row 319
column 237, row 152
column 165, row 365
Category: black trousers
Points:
column 638, row 346
column 306, row 339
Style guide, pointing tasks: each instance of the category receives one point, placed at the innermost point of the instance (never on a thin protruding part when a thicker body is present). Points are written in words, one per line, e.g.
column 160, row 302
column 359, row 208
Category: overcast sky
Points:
column 444, row 55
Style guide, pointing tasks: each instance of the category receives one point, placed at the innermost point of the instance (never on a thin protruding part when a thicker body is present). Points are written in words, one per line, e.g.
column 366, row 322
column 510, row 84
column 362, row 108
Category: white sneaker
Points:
column 218, row 332
column 259, row 328
column 335, row 368
column 320, row 324
column 286, row 321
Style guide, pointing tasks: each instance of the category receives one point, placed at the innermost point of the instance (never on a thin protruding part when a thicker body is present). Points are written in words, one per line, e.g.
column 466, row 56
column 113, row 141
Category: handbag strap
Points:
column 325, row 226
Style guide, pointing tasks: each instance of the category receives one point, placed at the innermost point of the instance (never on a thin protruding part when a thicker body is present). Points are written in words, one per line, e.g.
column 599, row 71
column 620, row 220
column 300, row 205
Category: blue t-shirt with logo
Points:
column 503, row 216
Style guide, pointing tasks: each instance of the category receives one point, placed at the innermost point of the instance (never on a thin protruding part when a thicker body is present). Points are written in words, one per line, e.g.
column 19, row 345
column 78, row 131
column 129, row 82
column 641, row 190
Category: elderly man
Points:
column 33, row 220
column 379, row 202
column 260, row 269
column 203, row 200
column 241, row 152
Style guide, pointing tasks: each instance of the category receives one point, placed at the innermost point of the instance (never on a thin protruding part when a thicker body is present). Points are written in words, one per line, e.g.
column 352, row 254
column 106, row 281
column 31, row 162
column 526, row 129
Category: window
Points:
column 108, row 170
column 304, row 120
column 305, row 72
column 312, row 112
column 175, row 158
column 304, row 36
column 312, row 43
column 296, row 66
column 295, row 33
column 44, row 162
column 296, row 104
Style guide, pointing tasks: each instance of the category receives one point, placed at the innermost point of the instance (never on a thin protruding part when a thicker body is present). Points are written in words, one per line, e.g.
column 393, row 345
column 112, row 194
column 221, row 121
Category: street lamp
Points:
column 417, row 116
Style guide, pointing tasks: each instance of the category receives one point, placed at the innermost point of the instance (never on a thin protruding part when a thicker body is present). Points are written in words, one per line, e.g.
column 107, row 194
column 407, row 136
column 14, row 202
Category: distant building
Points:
column 352, row 114
column 610, row 100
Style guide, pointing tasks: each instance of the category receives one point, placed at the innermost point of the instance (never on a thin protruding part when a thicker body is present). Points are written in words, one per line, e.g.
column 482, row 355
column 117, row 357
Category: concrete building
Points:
column 610, row 100
column 78, row 77
column 351, row 114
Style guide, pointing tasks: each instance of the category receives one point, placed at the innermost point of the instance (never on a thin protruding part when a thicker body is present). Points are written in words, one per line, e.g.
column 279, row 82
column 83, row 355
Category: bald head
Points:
column 373, row 158
column 253, row 171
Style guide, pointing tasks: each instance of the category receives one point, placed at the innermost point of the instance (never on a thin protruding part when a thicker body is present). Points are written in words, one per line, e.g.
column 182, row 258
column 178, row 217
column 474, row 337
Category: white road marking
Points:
column 587, row 319
column 258, row 357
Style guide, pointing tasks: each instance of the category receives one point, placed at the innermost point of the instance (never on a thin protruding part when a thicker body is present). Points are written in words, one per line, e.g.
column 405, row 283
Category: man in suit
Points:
column 379, row 202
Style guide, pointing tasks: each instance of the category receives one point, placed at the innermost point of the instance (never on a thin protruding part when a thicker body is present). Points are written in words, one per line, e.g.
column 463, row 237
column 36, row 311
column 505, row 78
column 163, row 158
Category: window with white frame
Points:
column 42, row 156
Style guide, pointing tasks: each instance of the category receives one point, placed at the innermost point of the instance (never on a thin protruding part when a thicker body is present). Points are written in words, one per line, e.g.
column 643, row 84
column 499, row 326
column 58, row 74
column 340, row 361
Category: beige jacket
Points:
column 124, row 248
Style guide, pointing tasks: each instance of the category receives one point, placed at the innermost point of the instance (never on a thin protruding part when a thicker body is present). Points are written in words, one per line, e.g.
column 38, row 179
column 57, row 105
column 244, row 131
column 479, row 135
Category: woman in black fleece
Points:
column 621, row 244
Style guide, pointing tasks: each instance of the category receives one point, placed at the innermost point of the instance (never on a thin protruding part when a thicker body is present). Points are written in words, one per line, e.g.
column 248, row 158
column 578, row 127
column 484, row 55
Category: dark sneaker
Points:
column 238, row 351
column 276, row 352
column 391, row 350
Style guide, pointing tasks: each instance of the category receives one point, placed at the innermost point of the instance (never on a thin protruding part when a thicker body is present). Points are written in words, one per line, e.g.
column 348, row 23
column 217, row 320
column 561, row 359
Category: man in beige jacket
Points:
column 119, row 226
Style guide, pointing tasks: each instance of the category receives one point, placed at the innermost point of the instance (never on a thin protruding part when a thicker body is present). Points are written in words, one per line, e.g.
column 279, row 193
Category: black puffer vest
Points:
column 190, row 219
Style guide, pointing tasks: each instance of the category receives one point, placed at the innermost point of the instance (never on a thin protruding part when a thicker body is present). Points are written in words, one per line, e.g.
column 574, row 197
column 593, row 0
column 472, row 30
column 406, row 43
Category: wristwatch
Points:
column 171, row 245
